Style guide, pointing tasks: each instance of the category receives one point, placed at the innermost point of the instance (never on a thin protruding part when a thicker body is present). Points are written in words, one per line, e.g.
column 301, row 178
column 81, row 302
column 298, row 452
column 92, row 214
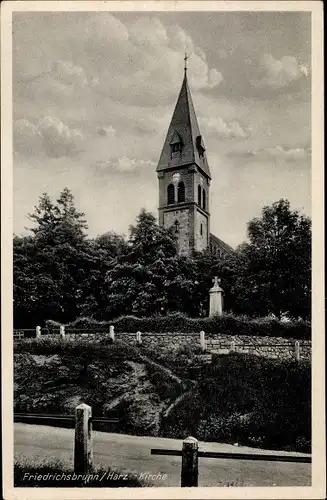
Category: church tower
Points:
column 184, row 178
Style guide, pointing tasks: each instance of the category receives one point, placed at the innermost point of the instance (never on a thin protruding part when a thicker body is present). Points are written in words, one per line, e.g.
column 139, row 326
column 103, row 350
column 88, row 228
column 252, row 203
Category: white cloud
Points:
column 134, row 62
column 279, row 73
column 123, row 164
column 279, row 153
column 214, row 79
column 148, row 31
column 70, row 74
column 224, row 129
column 48, row 136
column 180, row 41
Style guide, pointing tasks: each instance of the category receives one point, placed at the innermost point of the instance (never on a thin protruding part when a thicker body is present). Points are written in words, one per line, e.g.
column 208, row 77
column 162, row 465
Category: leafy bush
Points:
column 249, row 400
column 166, row 388
column 52, row 326
column 81, row 347
column 86, row 322
column 227, row 324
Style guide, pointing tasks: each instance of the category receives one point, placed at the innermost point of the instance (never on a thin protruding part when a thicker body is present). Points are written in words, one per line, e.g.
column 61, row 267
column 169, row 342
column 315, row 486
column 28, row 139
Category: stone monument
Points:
column 216, row 298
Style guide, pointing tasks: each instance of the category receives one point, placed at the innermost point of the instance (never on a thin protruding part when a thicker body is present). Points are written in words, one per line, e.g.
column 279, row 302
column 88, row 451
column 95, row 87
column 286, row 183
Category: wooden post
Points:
column 297, row 351
column 83, row 451
column 202, row 340
column 190, row 470
column 138, row 338
column 62, row 331
column 38, row 332
column 112, row 332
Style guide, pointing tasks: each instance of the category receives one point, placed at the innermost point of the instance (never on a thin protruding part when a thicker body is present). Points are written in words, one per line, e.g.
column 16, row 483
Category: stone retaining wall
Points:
column 271, row 347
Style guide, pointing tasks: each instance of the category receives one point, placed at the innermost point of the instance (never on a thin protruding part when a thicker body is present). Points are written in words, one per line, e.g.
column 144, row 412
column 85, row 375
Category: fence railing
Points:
column 190, row 459
column 82, row 421
column 206, row 344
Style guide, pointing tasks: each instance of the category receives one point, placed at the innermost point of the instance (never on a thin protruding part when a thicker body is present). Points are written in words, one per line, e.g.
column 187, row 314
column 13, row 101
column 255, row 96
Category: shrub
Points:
column 270, row 407
column 227, row 324
column 52, row 326
column 86, row 322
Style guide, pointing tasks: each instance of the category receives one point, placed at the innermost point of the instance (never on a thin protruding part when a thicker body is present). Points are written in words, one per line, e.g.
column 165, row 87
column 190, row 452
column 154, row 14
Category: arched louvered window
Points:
column 199, row 195
column 181, row 192
column 204, row 200
column 170, row 194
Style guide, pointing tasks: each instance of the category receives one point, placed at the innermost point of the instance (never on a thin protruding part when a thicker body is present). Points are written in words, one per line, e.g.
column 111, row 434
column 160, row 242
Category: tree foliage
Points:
column 61, row 274
column 272, row 273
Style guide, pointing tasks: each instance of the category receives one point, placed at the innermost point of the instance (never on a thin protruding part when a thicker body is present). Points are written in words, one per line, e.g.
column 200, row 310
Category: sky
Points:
column 94, row 92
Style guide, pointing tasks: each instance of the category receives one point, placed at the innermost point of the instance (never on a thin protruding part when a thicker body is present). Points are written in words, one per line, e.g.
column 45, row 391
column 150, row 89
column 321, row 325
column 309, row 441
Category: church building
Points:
column 184, row 181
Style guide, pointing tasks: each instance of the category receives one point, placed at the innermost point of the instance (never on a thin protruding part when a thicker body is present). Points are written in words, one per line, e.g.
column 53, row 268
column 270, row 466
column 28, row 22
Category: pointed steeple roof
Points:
column 184, row 124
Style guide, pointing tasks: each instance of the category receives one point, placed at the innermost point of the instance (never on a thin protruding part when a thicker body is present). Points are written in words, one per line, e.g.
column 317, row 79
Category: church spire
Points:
column 184, row 144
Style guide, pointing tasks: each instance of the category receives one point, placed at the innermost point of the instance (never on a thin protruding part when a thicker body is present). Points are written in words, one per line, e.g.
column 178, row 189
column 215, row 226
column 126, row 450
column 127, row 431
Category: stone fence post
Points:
column 83, row 451
column 138, row 338
column 190, row 467
column 38, row 332
column 297, row 350
column 62, row 331
column 112, row 332
column 202, row 340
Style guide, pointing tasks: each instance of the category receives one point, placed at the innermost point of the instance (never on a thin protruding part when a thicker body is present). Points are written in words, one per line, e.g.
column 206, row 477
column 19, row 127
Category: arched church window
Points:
column 170, row 194
column 181, row 192
column 199, row 195
column 204, row 200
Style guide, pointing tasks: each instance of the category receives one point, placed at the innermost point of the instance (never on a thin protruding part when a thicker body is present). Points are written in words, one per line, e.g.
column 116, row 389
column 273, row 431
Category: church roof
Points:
column 184, row 124
column 221, row 244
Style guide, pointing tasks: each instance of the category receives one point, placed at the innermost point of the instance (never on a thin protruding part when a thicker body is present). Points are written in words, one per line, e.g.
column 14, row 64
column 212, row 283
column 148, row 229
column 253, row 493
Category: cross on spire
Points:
column 185, row 62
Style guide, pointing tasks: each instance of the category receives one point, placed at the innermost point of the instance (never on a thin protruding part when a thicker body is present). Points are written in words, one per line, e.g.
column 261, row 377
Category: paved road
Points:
column 132, row 453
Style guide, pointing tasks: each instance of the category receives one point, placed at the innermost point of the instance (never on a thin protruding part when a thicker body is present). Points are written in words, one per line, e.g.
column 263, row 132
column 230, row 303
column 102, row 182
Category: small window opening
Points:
column 177, row 147
column 181, row 192
column 170, row 194
column 199, row 195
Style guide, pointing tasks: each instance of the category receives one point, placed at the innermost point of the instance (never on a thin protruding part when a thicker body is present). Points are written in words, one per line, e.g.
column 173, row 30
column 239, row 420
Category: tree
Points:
column 150, row 277
column 111, row 244
column 52, row 268
column 272, row 273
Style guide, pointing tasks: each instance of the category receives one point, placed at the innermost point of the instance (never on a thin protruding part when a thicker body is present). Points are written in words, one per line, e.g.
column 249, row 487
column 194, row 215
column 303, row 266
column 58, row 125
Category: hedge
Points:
column 227, row 324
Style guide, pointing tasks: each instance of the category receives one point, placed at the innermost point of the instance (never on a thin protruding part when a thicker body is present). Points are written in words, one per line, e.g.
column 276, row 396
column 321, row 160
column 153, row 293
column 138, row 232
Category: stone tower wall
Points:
column 186, row 213
column 185, row 219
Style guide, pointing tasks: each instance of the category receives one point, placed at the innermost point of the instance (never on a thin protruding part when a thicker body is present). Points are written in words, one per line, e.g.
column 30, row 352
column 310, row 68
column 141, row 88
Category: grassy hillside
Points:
column 236, row 398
